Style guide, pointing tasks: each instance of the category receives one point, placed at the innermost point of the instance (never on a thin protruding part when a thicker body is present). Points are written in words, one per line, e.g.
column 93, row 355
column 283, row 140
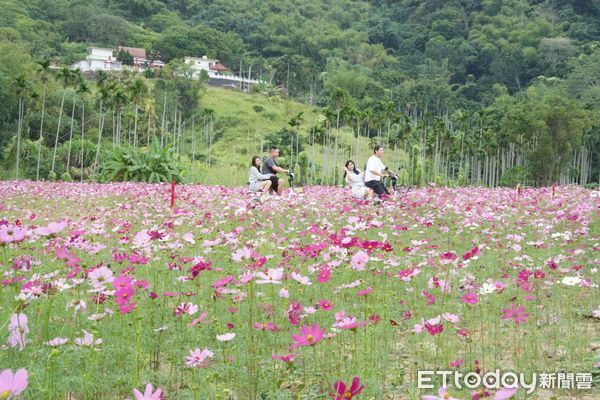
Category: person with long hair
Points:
column 258, row 182
column 355, row 179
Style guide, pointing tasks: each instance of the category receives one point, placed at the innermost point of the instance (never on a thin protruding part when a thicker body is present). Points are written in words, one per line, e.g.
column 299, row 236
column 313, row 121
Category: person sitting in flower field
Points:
column 271, row 167
column 258, row 182
column 375, row 172
column 355, row 179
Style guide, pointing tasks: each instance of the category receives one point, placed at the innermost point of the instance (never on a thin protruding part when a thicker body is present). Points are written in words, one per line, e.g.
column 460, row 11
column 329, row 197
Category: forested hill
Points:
column 469, row 44
column 469, row 62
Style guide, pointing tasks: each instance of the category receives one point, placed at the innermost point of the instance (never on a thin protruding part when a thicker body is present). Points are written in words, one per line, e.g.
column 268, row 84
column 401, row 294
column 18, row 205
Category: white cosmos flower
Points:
column 571, row 280
column 225, row 337
column 487, row 288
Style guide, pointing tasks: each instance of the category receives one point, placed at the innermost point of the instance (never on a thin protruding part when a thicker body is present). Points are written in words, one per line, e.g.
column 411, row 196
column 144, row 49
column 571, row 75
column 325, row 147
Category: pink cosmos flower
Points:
column 364, row 292
column 53, row 228
column 471, row 253
column 516, row 314
column 452, row 318
column 288, row 358
column 342, row 392
column 127, row 308
column 243, row 253
column 273, row 276
column 344, row 321
column 186, row 308
column 101, row 276
column 324, row 275
column 149, row 393
column 223, row 281
column 57, row 342
column 309, row 336
column 201, row 318
column 434, row 329
column 457, row 363
column 325, row 305
column 294, row 312
column 269, row 326
column 12, row 385
column 124, row 295
column 304, row 280
column 11, row 234
column 142, row 239
column 87, row 340
column 199, row 358
column 448, row 257
column 122, row 281
column 18, row 330
column 469, row 298
column 430, row 297
column 359, row 260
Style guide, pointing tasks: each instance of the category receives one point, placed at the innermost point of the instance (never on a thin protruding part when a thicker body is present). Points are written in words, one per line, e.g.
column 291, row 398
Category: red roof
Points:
column 219, row 67
column 134, row 51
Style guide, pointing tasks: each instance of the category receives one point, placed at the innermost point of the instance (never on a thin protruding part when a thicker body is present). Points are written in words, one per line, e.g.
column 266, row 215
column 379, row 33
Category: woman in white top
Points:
column 258, row 182
column 356, row 180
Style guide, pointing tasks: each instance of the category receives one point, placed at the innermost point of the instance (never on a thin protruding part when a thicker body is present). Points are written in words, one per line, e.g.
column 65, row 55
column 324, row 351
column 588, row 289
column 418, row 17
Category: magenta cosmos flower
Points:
column 149, row 393
column 516, row 314
column 12, row 385
column 469, row 298
column 342, row 392
column 309, row 336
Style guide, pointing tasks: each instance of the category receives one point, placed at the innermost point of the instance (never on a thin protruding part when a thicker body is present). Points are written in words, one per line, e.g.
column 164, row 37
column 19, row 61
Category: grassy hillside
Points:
column 243, row 124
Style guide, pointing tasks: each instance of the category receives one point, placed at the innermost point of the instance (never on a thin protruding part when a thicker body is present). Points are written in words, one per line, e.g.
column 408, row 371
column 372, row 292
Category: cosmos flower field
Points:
column 310, row 296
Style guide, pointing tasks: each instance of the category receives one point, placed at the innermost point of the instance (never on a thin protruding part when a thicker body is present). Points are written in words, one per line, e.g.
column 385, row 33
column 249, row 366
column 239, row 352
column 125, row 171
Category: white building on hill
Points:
column 98, row 59
column 216, row 73
column 102, row 59
column 202, row 64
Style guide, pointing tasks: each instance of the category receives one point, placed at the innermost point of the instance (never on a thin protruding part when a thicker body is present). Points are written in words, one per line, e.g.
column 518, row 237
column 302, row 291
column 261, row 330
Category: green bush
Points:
column 514, row 176
column 153, row 165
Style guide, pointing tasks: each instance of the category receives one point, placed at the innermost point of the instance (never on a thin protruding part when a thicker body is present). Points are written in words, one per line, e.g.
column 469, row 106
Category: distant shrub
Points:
column 514, row 176
column 153, row 165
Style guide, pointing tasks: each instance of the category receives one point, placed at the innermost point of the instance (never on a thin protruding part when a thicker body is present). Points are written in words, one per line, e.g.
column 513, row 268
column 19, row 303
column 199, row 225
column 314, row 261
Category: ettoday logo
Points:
column 497, row 379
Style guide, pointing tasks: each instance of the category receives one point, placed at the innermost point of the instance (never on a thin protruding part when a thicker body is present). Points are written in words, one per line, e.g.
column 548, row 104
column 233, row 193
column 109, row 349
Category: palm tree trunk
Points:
column 149, row 124
column 37, row 170
column 100, row 129
column 62, row 103
column 135, row 121
column 19, row 127
column 194, row 140
column 70, row 137
column 162, row 123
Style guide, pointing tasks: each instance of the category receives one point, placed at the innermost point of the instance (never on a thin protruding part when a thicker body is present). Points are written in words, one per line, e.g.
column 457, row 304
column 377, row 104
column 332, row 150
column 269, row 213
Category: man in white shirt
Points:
column 375, row 171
